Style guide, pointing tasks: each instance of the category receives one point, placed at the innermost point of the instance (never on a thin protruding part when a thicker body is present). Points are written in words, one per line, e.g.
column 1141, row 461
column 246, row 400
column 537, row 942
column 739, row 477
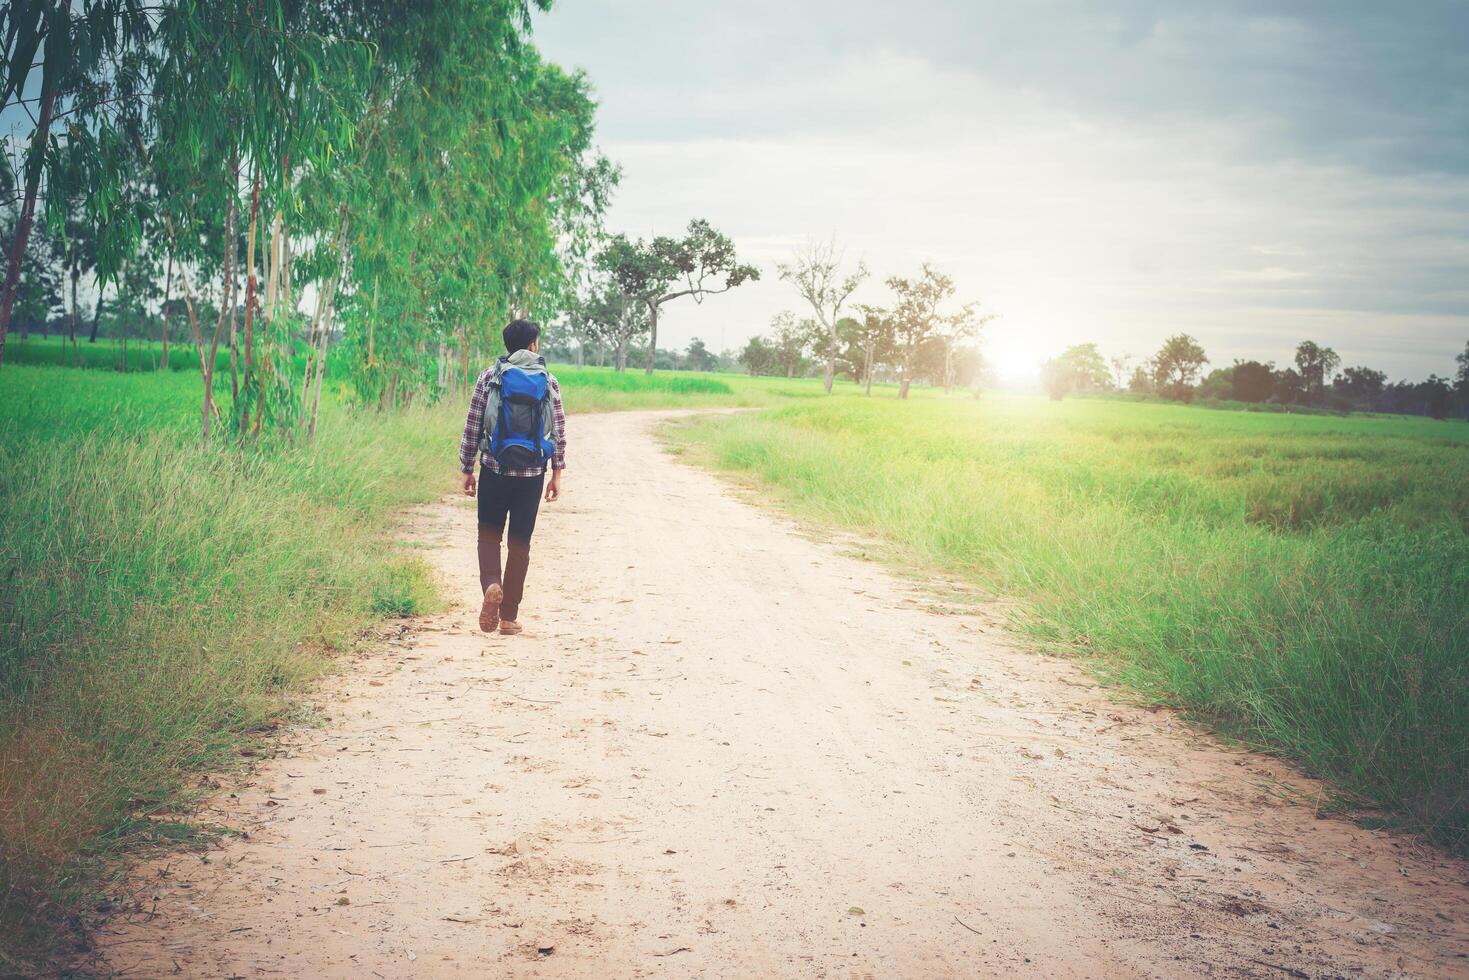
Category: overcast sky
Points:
column 1253, row 173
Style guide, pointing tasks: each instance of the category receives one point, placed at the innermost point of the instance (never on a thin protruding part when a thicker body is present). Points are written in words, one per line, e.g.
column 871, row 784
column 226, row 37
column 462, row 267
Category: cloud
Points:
column 1242, row 171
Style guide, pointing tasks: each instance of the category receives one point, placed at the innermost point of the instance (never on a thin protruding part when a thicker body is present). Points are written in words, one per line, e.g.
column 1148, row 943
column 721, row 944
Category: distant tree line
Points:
column 922, row 335
column 1312, row 380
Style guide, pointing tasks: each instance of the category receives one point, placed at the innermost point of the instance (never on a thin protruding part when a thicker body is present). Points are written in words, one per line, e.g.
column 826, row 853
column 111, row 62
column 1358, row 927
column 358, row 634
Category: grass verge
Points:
column 160, row 599
column 1301, row 582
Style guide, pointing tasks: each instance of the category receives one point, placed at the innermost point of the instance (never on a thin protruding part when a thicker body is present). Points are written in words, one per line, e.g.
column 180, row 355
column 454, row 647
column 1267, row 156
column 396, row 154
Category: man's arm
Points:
column 558, row 457
column 469, row 441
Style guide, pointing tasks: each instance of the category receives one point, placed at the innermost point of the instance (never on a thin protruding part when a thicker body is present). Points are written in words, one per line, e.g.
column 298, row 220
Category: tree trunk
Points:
column 320, row 373
column 273, row 257
column 76, row 274
column 27, row 213
column 948, row 367
column 903, row 380
column 619, row 362
column 97, row 313
column 831, row 356
column 167, row 299
column 652, row 336
column 252, row 284
column 313, row 363
column 867, row 372
column 326, row 330
column 231, row 231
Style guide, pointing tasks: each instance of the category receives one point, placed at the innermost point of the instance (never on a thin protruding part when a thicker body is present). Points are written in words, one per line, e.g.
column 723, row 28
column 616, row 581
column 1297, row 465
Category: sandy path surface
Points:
column 724, row 748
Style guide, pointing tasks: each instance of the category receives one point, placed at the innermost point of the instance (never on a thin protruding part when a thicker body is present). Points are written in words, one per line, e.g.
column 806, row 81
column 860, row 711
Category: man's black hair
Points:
column 520, row 334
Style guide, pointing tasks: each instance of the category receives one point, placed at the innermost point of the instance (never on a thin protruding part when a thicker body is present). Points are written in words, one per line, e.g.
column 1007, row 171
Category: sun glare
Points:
column 1015, row 355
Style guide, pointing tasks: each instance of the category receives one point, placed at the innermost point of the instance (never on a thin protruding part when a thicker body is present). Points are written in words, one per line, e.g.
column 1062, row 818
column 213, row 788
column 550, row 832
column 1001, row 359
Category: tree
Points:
column 1141, row 382
column 1078, row 368
column 815, row 271
column 972, row 369
column 1461, row 380
column 792, row 337
column 954, row 329
column 1119, row 364
column 875, row 336
column 38, row 291
column 701, row 264
column 1315, row 364
column 1252, row 381
column 89, row 115
column 1361, row 385
column 617, row 320
column 1176, row 366
column 699, row 356
column 918, row 316
column 1290, row 387
column 1440, row 397
column 759, row 357
column 1217, row 384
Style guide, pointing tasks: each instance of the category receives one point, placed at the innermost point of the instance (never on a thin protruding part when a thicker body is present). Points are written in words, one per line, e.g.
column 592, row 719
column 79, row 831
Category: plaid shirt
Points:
column 469, row 443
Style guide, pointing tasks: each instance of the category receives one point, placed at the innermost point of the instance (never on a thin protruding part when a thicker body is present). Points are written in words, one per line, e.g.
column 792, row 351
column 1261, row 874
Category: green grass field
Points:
column 1301, row 582
column 106, row 354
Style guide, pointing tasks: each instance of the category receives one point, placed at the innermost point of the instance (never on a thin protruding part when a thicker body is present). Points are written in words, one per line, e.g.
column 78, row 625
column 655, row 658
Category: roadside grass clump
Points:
column 1301, row 582
column 160, row 598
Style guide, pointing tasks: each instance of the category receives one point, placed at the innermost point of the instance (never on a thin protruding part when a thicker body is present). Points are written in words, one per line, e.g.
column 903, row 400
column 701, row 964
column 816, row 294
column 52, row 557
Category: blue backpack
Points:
column 519, row 438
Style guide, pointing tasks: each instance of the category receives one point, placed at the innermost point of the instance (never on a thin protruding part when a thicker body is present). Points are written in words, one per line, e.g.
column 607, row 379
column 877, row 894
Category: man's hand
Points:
column 553, row 487
column 469, row 484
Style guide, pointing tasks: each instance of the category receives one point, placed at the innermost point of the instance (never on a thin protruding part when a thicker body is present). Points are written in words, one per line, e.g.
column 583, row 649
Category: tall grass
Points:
column 1303, row 582
column 159, row 598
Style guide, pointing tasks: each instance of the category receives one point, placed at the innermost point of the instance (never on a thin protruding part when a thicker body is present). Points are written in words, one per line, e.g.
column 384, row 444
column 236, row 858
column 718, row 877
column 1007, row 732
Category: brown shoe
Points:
column 489, row 612
column 510, row 627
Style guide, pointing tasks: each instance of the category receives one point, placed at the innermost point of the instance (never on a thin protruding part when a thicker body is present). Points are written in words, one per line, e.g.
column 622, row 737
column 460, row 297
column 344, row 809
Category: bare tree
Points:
column 956, row 327
column 1119, row 364
column 816, row 273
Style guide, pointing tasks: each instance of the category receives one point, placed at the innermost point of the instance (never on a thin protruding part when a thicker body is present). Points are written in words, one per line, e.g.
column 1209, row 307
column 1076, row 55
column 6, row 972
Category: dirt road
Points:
column 724, row 748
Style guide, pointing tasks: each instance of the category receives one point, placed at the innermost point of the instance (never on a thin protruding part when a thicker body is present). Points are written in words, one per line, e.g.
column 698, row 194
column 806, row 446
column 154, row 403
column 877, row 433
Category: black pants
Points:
column 517, row 498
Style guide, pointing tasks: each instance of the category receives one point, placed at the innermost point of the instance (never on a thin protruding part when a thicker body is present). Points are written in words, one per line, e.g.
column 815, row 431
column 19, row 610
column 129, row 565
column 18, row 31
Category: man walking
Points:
column 515, row 425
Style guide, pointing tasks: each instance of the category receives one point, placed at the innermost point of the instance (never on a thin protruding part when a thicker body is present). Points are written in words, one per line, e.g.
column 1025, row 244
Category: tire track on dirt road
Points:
column 723, row 747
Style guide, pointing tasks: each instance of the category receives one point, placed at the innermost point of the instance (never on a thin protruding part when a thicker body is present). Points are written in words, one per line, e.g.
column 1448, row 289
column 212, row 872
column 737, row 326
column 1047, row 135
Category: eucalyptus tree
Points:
column 88, row 96
column 468, row 203
column 698, row 265
column 815, row 271
column 250, row 92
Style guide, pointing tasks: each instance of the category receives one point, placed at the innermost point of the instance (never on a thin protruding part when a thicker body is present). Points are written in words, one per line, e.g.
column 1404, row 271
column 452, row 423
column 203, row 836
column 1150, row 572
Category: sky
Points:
column 1254, row 173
